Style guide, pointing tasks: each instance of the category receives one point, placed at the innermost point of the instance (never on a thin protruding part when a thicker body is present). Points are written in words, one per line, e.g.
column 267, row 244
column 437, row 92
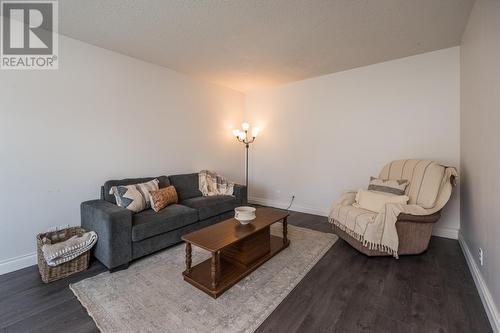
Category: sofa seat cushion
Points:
column 212, row 205
column 149, row 223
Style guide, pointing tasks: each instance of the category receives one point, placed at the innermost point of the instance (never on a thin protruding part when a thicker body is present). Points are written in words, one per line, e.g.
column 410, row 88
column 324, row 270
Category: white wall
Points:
column 480, row 158
column 102, row 115
column 331, row 133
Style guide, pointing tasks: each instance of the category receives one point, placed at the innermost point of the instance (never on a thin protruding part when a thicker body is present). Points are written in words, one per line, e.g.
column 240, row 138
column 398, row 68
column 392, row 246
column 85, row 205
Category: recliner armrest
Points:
column 346, row 198
column 113, row 225
column 432, row 218
column 240, row 192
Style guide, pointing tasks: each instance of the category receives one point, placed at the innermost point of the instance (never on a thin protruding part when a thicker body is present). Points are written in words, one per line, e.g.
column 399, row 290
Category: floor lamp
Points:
column 243, row 137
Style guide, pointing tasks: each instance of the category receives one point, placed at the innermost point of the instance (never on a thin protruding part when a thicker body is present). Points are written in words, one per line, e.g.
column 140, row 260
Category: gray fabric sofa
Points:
column 125, row 236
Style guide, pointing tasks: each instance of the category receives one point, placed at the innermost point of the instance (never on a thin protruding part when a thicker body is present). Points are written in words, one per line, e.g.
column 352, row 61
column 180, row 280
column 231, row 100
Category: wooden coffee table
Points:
column 236, row 249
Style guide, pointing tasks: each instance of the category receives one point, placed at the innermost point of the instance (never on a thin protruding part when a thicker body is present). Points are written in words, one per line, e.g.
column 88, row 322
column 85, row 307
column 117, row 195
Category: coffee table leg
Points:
column 188, row 257
column 218, row 273
column 285, row 231
column 214, row 268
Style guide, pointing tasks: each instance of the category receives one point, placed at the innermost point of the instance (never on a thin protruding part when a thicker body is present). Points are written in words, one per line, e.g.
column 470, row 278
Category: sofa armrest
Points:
column 113, row 225
column 240, row 192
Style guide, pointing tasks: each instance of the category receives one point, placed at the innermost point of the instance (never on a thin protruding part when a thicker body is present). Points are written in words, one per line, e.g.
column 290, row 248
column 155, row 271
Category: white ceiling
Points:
column 249, row 44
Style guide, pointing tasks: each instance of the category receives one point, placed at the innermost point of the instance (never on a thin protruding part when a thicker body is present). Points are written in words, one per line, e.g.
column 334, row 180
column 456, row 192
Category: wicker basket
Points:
column 49, row 273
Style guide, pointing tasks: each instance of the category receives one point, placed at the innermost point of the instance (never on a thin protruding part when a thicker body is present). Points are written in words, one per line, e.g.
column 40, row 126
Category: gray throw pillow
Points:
column 393, row 186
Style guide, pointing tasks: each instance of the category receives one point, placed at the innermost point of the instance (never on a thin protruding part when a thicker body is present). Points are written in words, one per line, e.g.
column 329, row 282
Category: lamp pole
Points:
column 243, row 137
column 246, row 166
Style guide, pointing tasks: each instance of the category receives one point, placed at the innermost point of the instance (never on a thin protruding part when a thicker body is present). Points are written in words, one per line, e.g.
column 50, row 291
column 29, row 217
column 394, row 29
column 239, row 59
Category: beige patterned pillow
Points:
column 134, row 197
column 392, row 186
column 162, row 198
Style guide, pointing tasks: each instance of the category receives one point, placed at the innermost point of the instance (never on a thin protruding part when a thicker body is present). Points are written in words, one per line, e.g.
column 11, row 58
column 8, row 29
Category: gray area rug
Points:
column 151, row 296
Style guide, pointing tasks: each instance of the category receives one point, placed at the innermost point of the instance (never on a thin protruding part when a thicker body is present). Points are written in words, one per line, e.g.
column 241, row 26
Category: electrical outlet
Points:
column 481, row 257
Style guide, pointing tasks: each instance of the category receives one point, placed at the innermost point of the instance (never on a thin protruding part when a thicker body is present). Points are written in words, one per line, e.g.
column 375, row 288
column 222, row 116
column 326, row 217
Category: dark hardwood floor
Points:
column 345, row 292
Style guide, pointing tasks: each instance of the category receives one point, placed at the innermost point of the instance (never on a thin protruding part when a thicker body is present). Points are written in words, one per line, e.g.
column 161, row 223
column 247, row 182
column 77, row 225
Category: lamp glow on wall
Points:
column 243, row 137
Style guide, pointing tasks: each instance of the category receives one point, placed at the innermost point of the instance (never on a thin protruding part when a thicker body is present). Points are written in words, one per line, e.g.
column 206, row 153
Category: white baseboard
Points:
column 283, row 205
column 13, row 264
column 445, row 232
column 437, row 231
column 489, row 304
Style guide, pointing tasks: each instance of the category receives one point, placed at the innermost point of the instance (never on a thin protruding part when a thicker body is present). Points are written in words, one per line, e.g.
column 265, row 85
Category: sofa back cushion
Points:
column 163, row 182
column 187, row 185
column 425, row 179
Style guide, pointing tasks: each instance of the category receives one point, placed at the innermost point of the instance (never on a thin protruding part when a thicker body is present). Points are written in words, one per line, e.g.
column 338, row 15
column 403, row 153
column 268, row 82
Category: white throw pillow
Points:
column 376, row 201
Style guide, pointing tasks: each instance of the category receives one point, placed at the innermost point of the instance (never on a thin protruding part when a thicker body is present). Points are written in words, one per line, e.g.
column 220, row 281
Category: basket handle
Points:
column 59, row 232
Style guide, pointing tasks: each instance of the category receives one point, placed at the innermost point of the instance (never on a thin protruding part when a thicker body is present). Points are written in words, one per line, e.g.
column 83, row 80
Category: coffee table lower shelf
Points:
column 229, row 272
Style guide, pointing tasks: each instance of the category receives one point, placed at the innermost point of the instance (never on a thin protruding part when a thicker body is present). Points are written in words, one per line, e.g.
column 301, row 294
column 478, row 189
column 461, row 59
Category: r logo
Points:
column 27, row 28
column 28, row 36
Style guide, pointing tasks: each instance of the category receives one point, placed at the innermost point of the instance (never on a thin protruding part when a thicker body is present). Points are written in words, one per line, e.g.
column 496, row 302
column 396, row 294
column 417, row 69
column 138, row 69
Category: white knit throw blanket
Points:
column 379, row 232
column 210, row 183
column 375, row 231
column 56, row 254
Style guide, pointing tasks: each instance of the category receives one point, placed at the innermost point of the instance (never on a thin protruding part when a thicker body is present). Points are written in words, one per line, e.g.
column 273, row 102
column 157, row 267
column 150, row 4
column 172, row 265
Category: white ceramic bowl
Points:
column 244, row 214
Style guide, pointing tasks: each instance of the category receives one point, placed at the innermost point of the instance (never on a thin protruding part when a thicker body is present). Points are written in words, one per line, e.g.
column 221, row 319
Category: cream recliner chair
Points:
column 429, row 190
